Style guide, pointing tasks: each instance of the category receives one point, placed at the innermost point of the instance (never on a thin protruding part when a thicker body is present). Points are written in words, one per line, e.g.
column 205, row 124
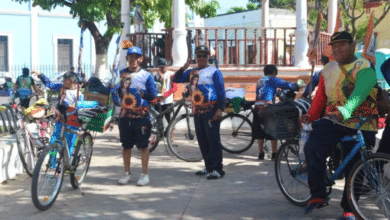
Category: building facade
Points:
column 41, row 40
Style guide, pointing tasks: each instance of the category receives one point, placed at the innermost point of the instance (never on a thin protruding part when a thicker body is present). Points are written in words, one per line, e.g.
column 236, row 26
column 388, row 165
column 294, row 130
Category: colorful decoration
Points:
column 369, row 42
column 126, row 44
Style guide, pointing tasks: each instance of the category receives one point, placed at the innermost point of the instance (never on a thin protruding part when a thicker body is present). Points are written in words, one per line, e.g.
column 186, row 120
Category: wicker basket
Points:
column 281, row 126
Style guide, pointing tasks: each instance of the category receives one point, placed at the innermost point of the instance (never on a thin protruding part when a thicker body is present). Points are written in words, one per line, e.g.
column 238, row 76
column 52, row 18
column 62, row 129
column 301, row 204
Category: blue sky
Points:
column 227, row 4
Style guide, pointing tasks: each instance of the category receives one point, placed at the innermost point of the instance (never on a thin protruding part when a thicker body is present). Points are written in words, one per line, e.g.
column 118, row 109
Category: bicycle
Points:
column 180, row 132
column 55, row 159
column 33, row 129
column 236, row 131
column 366, row 180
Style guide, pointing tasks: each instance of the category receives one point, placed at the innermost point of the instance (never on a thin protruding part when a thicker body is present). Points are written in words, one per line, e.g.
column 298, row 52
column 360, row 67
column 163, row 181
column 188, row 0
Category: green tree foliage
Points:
column 235, row 9
column 355, row 19
column 108, row 11
column 252, row 6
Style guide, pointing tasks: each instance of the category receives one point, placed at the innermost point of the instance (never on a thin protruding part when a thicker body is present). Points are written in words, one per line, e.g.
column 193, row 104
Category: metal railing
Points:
column 233, row 46
column 51, row 71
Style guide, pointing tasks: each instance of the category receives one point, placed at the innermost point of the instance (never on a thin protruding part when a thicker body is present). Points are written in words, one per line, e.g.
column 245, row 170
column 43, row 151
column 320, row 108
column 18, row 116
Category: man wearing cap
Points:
column 208, row 99
column 342, row 100
column 134, row 123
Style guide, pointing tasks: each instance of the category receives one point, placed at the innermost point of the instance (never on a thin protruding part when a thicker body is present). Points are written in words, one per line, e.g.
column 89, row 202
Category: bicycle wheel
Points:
column 369, row 188
column 81, row 160
column 291, row 174
column 48, row 177
column 154, row 137
column 182, row 139
column 27, row 151
column 236, row 133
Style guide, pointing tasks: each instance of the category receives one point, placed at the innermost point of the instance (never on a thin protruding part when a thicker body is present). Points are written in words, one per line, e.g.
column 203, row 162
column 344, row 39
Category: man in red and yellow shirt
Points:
column 341, row 100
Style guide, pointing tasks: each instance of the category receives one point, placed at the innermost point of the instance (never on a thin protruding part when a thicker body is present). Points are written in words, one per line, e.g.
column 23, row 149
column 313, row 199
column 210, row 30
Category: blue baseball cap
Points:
column 134, row 50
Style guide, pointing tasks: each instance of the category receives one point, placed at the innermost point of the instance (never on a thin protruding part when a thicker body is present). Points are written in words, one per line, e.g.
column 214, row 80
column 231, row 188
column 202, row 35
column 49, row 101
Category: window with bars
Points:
column 65, row 54
column 4, row 53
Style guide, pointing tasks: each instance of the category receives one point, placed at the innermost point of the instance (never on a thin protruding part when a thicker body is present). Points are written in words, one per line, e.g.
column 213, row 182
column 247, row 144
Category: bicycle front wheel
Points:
column 291, row 174
column 27, row 151
column 47, row 179
column 182, row 139
column 236, row 133
column 81, row 160
column 369, row 187
column 154, row 137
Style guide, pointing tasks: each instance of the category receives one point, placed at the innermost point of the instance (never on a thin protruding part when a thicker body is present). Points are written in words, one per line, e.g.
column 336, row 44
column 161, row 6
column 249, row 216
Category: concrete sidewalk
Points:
column 248, row 191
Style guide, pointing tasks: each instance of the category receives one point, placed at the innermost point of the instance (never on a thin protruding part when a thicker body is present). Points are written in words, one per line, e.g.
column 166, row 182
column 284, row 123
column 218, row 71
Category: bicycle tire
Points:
column 57, row 170
column 154, row 137
column 185, row 145
column 361, row 191
column 229, row 144
column 287, row 158
column 27, row 153
column 82, row 156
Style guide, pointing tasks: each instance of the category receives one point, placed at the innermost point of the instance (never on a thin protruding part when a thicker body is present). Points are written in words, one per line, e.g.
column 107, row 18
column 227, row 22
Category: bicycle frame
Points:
column 238, row 128
column 159, row 115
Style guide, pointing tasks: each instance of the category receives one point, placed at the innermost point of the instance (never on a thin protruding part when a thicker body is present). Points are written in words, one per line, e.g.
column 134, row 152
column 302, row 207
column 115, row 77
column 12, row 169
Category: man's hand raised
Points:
column 187, row 65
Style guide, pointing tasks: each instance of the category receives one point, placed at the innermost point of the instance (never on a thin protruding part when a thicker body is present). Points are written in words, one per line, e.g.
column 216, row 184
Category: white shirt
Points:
column 167, row 86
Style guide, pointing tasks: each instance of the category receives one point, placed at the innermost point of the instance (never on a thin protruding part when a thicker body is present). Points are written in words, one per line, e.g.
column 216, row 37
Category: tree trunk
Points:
column 101, row 65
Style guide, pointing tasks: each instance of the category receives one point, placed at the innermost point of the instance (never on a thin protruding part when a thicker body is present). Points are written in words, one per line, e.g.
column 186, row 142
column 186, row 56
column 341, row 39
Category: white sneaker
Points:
column 124, row 179
column 143, row 180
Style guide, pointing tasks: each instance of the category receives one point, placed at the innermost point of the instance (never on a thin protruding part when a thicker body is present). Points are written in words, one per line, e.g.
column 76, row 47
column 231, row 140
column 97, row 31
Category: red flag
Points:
column 369, row 43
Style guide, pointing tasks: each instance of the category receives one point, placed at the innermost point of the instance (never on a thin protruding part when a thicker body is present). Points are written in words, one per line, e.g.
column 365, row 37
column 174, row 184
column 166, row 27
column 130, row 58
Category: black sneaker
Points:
column 273, row 157
column 261, row 156
column 202, row 172
column 216, row 175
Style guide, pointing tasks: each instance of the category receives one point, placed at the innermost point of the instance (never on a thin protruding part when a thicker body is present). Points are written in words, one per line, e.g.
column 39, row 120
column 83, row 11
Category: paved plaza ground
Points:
column 248, row 190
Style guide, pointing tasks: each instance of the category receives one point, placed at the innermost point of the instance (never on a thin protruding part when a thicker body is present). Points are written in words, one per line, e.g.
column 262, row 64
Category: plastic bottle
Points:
column 306, row 129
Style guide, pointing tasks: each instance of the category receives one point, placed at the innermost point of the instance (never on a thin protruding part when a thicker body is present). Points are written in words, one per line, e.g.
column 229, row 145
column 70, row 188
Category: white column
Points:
column 125, row 18
column 179, row 47
column 301, row 33
column 264, row 15
column 34, row 37
column 332, row 15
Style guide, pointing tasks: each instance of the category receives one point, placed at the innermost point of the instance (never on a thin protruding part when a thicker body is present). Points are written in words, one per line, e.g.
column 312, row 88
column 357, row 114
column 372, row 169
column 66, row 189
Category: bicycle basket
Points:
column 283, row 125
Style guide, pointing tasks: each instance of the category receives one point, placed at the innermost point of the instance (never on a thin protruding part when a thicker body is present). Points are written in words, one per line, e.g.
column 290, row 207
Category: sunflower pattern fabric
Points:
column 134, row 103
column 336, row 91
column 207, row 88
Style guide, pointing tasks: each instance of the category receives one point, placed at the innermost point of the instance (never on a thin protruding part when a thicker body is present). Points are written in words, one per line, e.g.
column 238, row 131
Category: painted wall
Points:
column 58, row 23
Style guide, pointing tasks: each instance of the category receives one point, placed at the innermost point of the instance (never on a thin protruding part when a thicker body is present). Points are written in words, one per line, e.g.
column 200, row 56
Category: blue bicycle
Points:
column 368, row 185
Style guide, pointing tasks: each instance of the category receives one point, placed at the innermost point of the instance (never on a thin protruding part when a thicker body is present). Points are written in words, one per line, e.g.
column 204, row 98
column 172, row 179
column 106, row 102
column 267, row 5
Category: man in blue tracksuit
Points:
column 132, row 94
column 208, row 99
column 265, row 93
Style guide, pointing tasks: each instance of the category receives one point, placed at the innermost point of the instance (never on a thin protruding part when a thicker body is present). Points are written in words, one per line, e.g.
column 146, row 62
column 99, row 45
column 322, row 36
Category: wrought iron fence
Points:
column 51, row 71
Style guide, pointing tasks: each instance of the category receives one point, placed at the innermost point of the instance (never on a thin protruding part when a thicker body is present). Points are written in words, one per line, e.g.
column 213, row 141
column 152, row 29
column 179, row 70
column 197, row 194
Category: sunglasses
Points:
column 201, row 56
